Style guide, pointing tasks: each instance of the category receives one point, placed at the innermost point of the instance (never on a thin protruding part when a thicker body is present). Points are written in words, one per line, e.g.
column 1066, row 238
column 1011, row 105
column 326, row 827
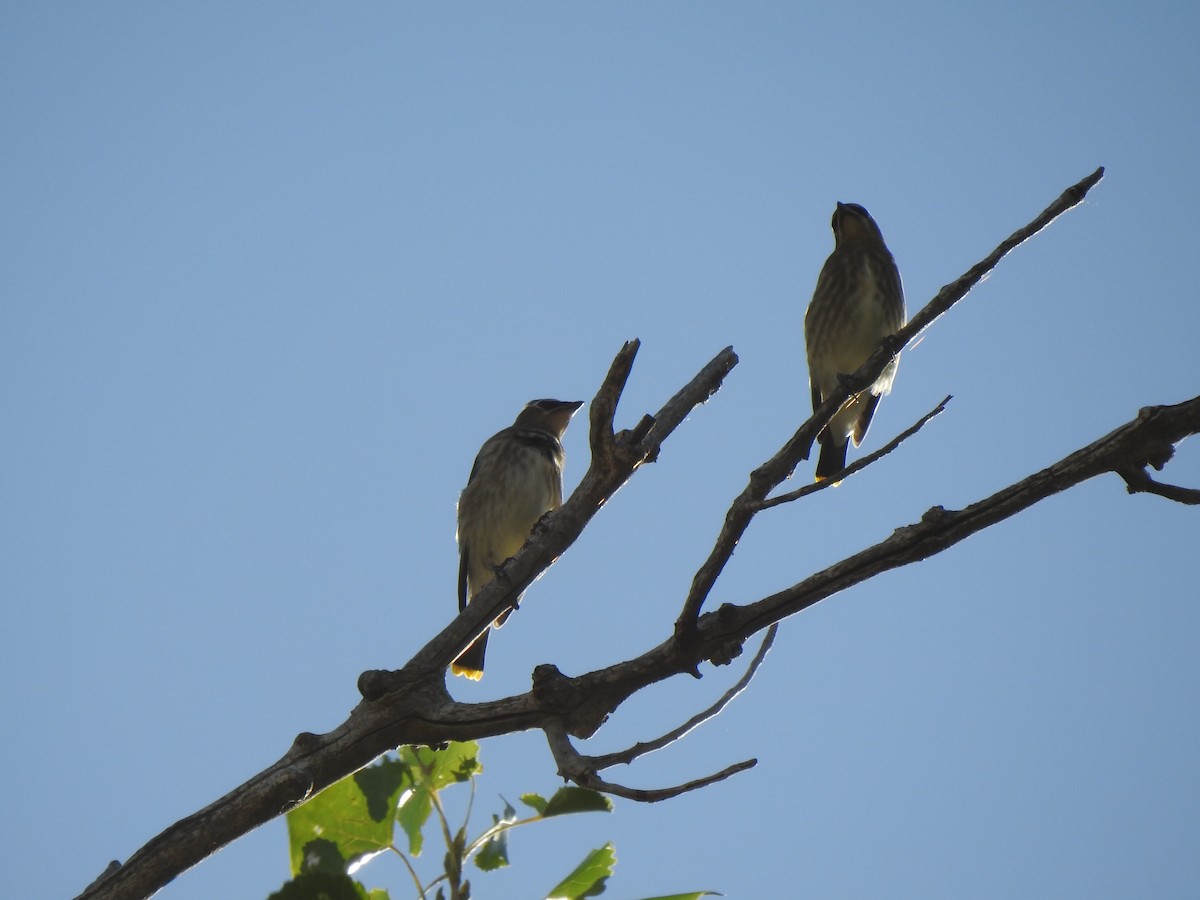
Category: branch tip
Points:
column 857, row 466
column 1138, row 481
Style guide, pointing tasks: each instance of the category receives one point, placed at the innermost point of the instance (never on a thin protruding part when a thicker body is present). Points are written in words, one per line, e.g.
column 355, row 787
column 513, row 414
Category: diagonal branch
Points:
column 641, row 748
column 424, row 714
column 578, row 768
column 1147, row 440
column 774, row 471
column 580, row 705
column 414, row 707
column 615, row 457
column 416, row 695
column 858, row 464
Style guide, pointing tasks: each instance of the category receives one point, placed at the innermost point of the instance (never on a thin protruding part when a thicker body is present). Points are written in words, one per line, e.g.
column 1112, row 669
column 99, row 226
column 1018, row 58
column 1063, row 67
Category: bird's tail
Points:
column 470, row 662
column 832, row 459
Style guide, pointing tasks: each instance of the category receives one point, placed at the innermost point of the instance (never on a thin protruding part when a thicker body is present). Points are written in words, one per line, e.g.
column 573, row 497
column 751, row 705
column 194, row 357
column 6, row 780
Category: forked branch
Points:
column 774, row 471
column 859, row 464
column 413, row 706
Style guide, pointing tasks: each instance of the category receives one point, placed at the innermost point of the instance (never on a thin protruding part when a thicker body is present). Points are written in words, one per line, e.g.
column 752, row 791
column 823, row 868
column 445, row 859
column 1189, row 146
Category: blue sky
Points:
column 272, row 273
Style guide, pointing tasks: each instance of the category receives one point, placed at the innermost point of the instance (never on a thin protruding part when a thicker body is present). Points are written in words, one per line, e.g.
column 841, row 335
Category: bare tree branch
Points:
column 1147, row 440
column 1139, row 481
column 316, row 761
column 413, row 706
column 581, row 770
column 423, row 713
column 614, row 460
column 774, row 471
column 858, row 464
column 641, row 748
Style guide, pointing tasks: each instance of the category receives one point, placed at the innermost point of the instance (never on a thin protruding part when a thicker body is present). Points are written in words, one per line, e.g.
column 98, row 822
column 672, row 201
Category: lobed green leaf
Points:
column 589, row 877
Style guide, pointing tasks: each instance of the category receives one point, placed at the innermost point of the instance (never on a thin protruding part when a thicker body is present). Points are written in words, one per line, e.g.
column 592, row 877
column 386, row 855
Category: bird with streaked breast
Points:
column 516, row 479
column 858, row 301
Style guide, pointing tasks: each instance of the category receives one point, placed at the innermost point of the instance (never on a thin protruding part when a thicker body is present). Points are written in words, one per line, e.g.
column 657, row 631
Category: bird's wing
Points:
column 869, row 401
column 463, row 565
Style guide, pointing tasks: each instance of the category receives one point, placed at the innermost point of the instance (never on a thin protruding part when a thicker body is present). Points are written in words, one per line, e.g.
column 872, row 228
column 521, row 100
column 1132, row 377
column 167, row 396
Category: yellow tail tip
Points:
column 473, row 674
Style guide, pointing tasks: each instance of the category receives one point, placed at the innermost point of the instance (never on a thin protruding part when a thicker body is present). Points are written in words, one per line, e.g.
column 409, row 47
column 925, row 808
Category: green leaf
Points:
column 413, row 813
column 343, row 815
column 380, row 785
column 535, row 802
column 589, row 876
column 321, row 855
column 432, row 770
column 574, row 800
column 323, row 886
column 494, row 853
column 455, row 763
column 695, row 895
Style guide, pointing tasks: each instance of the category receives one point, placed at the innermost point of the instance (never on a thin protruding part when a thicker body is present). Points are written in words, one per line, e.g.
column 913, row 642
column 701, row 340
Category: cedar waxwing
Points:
column 516, row 479
column 858, row 301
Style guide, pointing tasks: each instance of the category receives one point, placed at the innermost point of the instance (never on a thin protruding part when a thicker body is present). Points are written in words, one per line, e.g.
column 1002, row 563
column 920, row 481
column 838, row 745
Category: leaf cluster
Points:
column 385, row 808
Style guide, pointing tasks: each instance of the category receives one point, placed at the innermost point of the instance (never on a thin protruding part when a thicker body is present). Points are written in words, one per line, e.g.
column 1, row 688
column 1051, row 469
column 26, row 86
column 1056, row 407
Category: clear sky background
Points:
column 272, row 272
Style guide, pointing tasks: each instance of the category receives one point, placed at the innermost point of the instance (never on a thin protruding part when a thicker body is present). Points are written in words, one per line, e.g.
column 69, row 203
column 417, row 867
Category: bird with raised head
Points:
column 516, row 479
column 858, row 301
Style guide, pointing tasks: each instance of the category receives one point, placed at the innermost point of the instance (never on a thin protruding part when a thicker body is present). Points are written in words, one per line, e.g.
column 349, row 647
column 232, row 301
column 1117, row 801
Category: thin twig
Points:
column 578, row 768
column 641, row 748
column 654, row 795
column 411, row 871
column 603, row 408
column 858, row 464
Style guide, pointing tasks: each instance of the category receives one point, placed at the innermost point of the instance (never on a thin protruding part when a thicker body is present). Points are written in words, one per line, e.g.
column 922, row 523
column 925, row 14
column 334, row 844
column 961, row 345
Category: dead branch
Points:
column 423, row 713
column 396, row 702
column 641, row 748
column 859, row 464
column 1149, row 439
column 615, row 457
column 774, row 471
column 580, row 769
column 1139, row 481
column 413, row 706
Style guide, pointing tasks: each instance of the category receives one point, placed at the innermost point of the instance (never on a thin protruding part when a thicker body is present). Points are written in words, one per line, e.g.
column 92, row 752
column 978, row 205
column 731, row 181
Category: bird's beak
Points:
column 561, row 417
